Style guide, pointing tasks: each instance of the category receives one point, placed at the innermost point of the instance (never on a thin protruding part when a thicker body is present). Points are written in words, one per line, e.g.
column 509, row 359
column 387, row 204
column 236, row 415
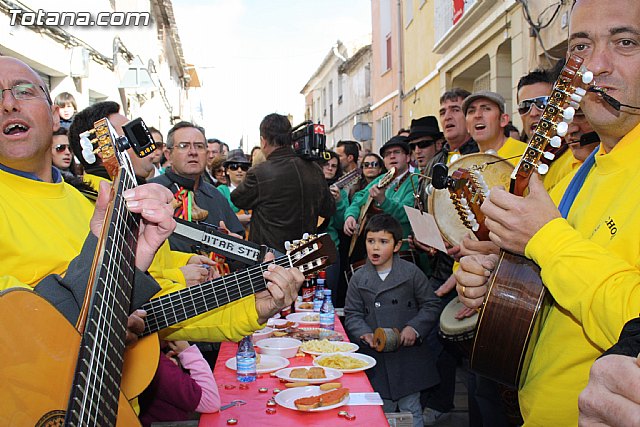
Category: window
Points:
column 384, row 35
column 324, row 101
column 408, row 12
column 339, row 88
column 330, row 103
column 384, row 130
column 367, row 80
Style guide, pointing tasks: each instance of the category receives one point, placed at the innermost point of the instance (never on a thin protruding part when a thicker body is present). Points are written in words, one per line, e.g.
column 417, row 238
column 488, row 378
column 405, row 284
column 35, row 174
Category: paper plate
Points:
column 349, row 348
column 332, row 375
column 297, row 317
column 287, row 397
column 267, row 363
column 371, row 362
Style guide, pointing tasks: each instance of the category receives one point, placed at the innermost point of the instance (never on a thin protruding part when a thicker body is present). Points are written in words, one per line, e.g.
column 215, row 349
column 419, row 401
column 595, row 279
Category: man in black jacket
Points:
column 286, row 193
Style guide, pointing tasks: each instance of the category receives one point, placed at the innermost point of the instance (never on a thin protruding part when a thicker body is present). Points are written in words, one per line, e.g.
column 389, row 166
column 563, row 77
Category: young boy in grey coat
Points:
column 389, row 292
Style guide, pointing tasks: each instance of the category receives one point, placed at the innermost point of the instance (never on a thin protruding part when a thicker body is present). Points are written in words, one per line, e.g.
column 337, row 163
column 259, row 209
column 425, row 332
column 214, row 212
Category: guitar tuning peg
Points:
column 287, row 245
column 305, row 236
column 543, row 169
column 574, row 104
column 555, row 142
column 580, row 91
column 587, row 77
column 576, row 98
column 562, row 128
column 568, row 114
column 87, row 148
column 549, row 156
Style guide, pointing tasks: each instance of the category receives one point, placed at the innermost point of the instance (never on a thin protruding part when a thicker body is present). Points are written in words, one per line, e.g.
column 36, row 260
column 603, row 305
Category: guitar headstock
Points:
column 349, row 178
column 565, row 98
column 467, row 190
column 387, row 178
column 313, row 253
column 104, row 141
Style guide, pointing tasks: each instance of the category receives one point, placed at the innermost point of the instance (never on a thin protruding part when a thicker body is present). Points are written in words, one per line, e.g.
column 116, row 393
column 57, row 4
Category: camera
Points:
column 308, row 140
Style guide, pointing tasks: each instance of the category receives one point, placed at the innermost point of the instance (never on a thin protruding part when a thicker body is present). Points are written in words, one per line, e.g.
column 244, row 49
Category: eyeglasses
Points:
column 235, row 166
column 394, row 152
column 422, row 144
column 26, row 91
column 370, row 164
column 185, row 146
column 61, row 147
column 525, row 105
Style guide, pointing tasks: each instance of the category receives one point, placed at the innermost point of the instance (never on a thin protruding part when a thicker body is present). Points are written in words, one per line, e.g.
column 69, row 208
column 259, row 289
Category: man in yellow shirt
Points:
column 44, row 222
column 589, row 259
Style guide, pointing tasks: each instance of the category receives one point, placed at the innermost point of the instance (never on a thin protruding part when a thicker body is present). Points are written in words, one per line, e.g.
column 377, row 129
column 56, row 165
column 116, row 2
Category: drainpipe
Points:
column 400, row 69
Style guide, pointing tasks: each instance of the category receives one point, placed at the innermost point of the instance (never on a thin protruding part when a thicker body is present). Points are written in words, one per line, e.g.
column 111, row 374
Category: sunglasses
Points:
column 421, row 144
column 525, row 105
column 61, row 147
column 370, row 164
column 235, row 166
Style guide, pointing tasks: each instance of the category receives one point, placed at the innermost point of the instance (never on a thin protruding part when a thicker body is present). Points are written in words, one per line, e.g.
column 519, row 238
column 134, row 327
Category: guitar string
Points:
column 104, row 330
column 196, row 299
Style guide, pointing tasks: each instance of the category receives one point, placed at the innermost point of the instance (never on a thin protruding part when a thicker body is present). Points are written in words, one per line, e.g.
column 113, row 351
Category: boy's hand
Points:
column 368, row 338
column 408, row 336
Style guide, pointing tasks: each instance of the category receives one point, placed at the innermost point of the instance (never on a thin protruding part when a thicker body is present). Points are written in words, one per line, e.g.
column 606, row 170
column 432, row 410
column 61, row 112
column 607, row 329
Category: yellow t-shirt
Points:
column 558, row 169
column 590, row 263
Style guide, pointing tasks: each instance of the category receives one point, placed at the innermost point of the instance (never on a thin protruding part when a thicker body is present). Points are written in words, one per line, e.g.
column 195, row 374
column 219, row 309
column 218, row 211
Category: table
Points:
column 254, row 412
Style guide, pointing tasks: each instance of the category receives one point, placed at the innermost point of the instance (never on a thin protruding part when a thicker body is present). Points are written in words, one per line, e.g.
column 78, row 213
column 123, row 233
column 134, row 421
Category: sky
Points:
column 253, row 57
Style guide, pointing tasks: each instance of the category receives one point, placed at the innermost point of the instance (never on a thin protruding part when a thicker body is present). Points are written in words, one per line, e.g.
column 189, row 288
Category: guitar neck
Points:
column 178, row 306
column 96, row 385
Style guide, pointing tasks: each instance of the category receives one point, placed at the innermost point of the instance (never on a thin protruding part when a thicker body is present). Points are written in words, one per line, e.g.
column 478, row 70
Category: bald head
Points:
column 8, row 64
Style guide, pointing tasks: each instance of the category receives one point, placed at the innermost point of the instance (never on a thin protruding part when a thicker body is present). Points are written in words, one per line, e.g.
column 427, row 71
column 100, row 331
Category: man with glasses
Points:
column 394, row 197
column 534, row 90
column 186, row 149
column 423, row 137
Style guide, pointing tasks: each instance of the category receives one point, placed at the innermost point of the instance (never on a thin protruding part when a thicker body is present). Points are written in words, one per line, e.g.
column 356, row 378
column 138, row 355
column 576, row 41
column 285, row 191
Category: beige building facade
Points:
column 489, row 47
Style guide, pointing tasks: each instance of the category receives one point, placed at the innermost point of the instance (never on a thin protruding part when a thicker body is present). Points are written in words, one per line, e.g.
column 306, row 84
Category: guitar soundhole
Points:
column 51, row 419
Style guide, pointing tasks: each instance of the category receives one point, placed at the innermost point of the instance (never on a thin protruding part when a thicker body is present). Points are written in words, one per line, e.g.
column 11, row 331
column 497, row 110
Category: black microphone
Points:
column 610, row 99
column 589, row 138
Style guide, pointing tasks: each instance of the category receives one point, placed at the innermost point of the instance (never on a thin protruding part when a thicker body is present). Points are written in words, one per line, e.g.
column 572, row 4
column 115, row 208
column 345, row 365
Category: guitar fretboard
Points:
column 195, row 300
column 96, row 385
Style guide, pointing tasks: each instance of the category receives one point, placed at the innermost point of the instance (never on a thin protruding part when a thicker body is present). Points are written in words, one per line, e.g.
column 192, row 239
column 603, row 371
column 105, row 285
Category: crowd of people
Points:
column 577, row 222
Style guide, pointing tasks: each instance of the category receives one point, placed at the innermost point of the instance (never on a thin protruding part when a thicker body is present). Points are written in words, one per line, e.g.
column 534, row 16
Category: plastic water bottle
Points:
column 246, row 361
column 327, row 313
column 318, row 297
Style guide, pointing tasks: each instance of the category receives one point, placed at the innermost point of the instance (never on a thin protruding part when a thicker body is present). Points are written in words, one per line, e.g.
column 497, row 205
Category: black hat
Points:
column 396, row 141
column 236, row 156
column 425, row 126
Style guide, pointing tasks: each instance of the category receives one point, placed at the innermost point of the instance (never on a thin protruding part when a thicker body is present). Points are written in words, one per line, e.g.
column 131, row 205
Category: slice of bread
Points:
column 334, row 397
column 307, row 403
column 298, row 373
column 315, row 373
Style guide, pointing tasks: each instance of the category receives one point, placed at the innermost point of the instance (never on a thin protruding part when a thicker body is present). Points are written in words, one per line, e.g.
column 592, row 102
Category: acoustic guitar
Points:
column 513, row 311
column 346, row 179
column 308, row 255
column 54, row 373
column 386, row 179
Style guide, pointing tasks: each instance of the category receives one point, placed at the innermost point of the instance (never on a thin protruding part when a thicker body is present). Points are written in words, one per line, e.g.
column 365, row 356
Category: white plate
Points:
column 287, row 397
column 297, row 317
column 298, row 304
column 352, row 347
column 370, row 360
column 267, row 363
column 332, row 375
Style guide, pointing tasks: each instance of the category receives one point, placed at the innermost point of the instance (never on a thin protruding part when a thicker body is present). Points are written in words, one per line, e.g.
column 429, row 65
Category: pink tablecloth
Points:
column 254, row 412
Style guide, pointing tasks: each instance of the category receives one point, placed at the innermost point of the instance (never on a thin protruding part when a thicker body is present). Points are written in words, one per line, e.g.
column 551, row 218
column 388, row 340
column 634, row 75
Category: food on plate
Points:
column 329, row 386
column 291, row 385
column 341, row 361
column 306, row 306
column 311, row 318
column 298, row 373
column 325, row 399
column 306, row 334
column 283, row 325
column 325, row 346
column 313, row 373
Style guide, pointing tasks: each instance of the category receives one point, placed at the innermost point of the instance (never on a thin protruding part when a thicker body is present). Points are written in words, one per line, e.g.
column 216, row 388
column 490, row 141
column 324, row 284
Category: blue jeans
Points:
column 409, row 403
